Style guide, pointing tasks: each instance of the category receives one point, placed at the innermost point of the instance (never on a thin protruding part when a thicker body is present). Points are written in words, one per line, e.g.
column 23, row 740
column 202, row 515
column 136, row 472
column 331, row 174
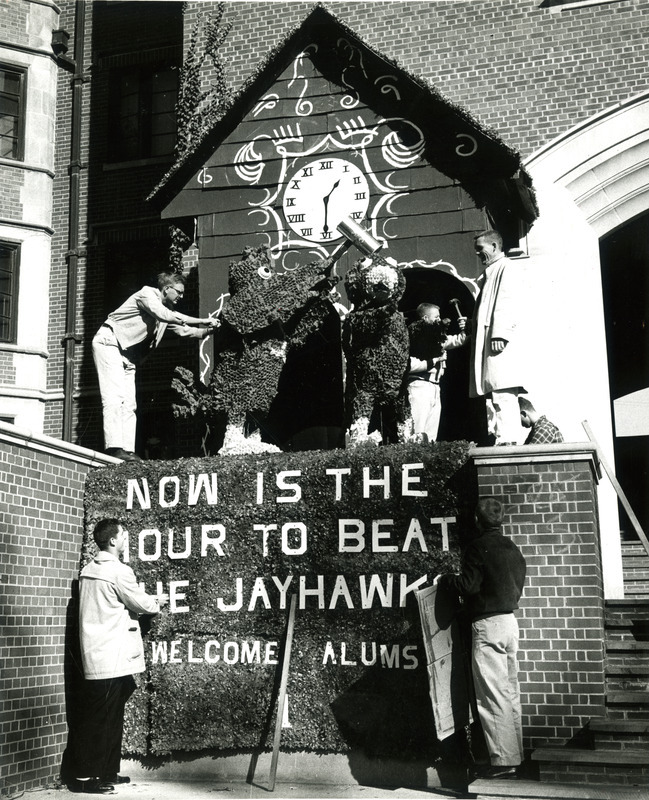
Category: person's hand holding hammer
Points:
column 461, row 320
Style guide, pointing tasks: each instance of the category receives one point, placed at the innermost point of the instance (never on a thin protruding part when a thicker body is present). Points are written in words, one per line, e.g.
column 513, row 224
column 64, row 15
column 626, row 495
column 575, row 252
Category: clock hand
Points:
column 325, row 201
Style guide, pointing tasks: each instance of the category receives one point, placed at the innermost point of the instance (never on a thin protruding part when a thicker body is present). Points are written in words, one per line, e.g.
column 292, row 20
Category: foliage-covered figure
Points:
column 375, row 341
column 267, row 314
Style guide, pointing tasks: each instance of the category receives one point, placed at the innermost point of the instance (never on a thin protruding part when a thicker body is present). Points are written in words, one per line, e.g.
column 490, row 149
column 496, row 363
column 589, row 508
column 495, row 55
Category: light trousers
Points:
column 425, row 407
column 495, row 677
column 116, row 374
column 503, row 415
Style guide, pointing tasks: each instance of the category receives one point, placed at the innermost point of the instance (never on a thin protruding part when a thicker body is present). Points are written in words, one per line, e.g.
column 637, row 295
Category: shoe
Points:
column 497, row 773
column 118, row 452
column 117, row 779
column 92, row 786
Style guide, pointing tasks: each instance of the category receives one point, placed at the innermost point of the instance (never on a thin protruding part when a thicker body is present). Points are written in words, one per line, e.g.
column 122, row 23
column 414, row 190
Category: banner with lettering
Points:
column 352, row 533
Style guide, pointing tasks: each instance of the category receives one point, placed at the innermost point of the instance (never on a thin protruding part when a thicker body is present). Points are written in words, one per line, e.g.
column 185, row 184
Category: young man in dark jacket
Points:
column 491, row 583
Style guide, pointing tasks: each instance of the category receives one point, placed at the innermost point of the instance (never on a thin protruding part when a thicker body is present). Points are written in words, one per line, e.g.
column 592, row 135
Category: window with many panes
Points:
column 12, row 111
column 143, row 112
column 9, row 262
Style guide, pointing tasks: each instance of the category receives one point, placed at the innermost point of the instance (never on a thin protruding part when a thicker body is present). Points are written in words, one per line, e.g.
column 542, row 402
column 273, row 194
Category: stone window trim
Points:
column 9, row 287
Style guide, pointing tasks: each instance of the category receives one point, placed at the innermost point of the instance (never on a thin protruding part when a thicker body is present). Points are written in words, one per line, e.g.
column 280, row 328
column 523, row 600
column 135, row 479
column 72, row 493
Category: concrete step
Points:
column 626, row 683
column 636, row 590
column 630, row 705
column 627, row 667
column 619, row 734
column 574, row 755
column 626, row 661
column 635, row 570
column 627, row 646
column 634, row 698
column 626, row 614
column 521, row 790
column 631, row 631
column 634, row 549
column 633, row 621
column 618, row 767
column 623, row 603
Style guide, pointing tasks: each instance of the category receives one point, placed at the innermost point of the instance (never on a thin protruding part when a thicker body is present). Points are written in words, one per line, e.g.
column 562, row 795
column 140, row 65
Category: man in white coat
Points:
column 112, row 651
column 497, row 354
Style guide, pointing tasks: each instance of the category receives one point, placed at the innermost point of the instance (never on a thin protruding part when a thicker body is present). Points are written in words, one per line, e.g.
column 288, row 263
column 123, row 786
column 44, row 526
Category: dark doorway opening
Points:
column 625, row 281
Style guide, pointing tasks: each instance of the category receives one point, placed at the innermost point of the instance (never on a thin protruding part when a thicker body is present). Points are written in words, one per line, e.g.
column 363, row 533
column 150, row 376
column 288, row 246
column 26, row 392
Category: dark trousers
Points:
column 97, row 739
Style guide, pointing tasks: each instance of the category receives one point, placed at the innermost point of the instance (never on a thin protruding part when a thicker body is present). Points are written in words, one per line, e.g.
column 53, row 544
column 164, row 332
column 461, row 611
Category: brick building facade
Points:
column 551, row 79
column 532, row 72
column 86, row 137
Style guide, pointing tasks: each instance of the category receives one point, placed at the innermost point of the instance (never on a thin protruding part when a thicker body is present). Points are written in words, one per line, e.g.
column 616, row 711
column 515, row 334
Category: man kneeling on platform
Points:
column 491, row 582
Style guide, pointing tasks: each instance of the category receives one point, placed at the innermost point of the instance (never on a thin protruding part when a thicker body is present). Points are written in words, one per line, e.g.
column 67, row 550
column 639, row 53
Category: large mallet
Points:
column 359, row 237
column 355, row 235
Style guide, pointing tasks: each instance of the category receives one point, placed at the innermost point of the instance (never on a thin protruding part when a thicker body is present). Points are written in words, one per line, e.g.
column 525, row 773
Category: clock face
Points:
column 322, row 193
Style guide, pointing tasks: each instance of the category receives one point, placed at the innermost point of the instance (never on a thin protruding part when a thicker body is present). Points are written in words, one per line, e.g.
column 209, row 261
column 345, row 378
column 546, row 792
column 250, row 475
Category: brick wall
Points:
column 550, row 494
column 41, row 502
column 526, row 71
column 529, row 72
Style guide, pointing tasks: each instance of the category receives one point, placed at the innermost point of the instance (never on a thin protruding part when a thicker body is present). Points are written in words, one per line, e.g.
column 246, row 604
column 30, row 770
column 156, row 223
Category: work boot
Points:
column 125, row 455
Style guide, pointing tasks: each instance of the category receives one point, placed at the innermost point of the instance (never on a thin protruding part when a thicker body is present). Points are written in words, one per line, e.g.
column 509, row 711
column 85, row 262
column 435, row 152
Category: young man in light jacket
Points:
column 110, row 602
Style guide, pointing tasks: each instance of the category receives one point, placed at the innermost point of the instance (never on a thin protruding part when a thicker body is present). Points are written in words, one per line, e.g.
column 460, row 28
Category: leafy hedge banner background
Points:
column 339, row 696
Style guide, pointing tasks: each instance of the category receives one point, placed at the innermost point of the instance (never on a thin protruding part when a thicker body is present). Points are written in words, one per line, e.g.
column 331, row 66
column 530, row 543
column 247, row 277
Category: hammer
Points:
column 456, row 303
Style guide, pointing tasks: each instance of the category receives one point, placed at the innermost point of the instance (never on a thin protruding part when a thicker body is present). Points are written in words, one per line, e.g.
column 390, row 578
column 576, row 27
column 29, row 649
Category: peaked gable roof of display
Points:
column 495, row 163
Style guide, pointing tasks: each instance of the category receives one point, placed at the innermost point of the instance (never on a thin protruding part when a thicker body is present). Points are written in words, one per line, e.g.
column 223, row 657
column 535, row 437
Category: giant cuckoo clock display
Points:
column 330, row 129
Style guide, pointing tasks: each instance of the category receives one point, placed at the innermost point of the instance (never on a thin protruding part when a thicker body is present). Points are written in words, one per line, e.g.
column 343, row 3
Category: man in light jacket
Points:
column 128, row 333
column 497, row 353
column 112, row 651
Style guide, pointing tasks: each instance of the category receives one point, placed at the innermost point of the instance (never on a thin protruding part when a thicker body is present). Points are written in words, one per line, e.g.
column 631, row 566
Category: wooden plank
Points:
column 620, row 492
column 282, row 693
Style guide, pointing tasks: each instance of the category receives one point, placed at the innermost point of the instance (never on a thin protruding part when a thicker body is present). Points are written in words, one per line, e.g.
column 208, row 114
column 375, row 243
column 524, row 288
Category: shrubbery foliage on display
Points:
column 335, row 701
